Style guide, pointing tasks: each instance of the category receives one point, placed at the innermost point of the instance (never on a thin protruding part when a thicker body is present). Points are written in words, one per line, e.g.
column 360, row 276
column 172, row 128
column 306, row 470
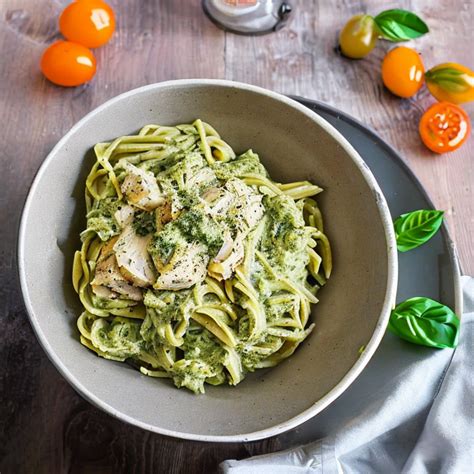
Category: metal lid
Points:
column 261, row 17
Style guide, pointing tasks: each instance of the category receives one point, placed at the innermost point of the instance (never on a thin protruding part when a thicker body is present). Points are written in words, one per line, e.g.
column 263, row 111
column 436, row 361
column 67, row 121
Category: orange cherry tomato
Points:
column 68, row 64
column 444, row 127
column 87, row 22
column 403, row 71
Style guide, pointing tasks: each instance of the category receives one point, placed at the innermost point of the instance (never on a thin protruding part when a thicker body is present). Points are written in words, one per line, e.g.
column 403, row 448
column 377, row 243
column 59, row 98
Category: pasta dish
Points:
column 195, row 265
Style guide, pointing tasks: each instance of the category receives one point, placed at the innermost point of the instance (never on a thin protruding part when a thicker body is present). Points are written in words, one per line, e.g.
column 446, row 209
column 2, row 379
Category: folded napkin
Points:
column 411, row 411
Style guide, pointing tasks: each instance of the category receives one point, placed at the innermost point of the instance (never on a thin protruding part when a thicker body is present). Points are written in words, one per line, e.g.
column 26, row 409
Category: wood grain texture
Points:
column 45, row 427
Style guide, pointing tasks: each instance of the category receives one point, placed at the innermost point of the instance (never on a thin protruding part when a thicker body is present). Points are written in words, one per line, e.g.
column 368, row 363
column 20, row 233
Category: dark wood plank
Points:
column 45, row 427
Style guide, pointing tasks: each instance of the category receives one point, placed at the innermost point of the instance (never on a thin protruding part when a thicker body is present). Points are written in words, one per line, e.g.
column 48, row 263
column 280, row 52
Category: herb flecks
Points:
column 144, row 223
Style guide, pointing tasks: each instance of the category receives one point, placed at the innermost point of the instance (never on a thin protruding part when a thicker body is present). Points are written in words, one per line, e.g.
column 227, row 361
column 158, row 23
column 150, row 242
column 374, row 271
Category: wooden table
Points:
column 45, row 427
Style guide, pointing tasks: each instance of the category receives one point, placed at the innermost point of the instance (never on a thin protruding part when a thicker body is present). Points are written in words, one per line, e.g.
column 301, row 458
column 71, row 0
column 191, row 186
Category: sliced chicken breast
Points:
column 107, row 274
column 163, row 214
column 223, row 269
column 217, row 201
column 141, row 188
column 133, row 258
column 226, row 248
column 104, row 292
column 252, row 211
column 187, row 266
column 124, row 215
column 248, row 205
column 201, row 178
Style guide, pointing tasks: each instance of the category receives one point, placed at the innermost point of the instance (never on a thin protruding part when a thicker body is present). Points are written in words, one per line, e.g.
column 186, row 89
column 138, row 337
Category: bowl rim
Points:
column 347, row 379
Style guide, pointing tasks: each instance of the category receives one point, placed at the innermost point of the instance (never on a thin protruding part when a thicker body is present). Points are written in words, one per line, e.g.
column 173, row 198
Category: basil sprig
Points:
column 415, row 228
column 449, row 79
column 400, row 25
column 425, row 321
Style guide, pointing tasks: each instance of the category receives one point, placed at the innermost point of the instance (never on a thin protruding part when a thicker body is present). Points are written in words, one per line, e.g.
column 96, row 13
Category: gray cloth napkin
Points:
column 418, row 421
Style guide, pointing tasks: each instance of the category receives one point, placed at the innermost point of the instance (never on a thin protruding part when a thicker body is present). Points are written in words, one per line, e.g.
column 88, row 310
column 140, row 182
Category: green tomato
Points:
column 358, row 37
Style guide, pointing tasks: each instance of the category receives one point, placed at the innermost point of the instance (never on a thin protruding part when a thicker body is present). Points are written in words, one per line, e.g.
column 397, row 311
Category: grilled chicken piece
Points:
column 176, row 206
column 238, row 187
column 124, row 215
column 163, row 214
column 133, row 258
column 253, row 210
column 202, row 177
column 104, row 292
column 247, row 210
column 222, row 269
column 235, row 198
column 187, row 266
column 107, row 274
column 211, row 194
column 226, row 248
column 141, row 188
column 248, row 205
column 218, row 201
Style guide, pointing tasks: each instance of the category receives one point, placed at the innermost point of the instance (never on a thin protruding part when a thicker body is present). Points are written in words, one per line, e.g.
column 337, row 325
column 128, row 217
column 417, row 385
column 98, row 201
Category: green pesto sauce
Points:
column 201, row 344
column 168, row 305
column 157, row 166
column 284, row 238
column 101, row 219
column 120, row 338
column 144, row 223
column 203, row 361
column 247, row 163
column 182, row 170
column 191, row 226
column 250, row 358
column 188, row 198
column 192, row 374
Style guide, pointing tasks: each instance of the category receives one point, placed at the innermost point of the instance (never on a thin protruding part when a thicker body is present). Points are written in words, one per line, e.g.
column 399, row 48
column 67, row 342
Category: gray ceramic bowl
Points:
column 294, row 144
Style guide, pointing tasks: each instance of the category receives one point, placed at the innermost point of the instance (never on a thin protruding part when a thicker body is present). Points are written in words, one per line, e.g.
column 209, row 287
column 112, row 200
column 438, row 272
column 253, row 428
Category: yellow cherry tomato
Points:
column 68, row 64
column 403, row 71
column 451, row 82
column 87, row 22
column 358, row 37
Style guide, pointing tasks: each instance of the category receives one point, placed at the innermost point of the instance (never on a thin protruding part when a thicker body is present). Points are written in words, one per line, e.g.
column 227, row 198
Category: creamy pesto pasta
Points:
column 195, row 265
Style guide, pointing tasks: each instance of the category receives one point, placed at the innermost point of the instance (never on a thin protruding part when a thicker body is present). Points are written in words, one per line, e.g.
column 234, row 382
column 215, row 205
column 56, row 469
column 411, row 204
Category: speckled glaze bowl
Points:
column 294, row 144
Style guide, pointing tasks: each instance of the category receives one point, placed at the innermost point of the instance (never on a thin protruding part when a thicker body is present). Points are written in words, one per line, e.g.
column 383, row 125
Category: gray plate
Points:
column 431, row 270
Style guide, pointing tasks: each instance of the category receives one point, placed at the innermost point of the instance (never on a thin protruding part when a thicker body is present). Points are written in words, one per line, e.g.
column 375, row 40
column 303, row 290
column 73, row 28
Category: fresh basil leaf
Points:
column 415, row 228
column 449, row 79
column 400, row 25
column 426, row 322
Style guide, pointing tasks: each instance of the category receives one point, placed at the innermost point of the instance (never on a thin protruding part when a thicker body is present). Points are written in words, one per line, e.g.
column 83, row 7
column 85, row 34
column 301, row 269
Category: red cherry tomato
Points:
column 68, row 64
column 444, row 127
column 87, row 22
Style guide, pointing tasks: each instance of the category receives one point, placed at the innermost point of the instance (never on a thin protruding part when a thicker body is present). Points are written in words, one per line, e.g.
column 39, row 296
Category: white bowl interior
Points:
column 294, row 145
